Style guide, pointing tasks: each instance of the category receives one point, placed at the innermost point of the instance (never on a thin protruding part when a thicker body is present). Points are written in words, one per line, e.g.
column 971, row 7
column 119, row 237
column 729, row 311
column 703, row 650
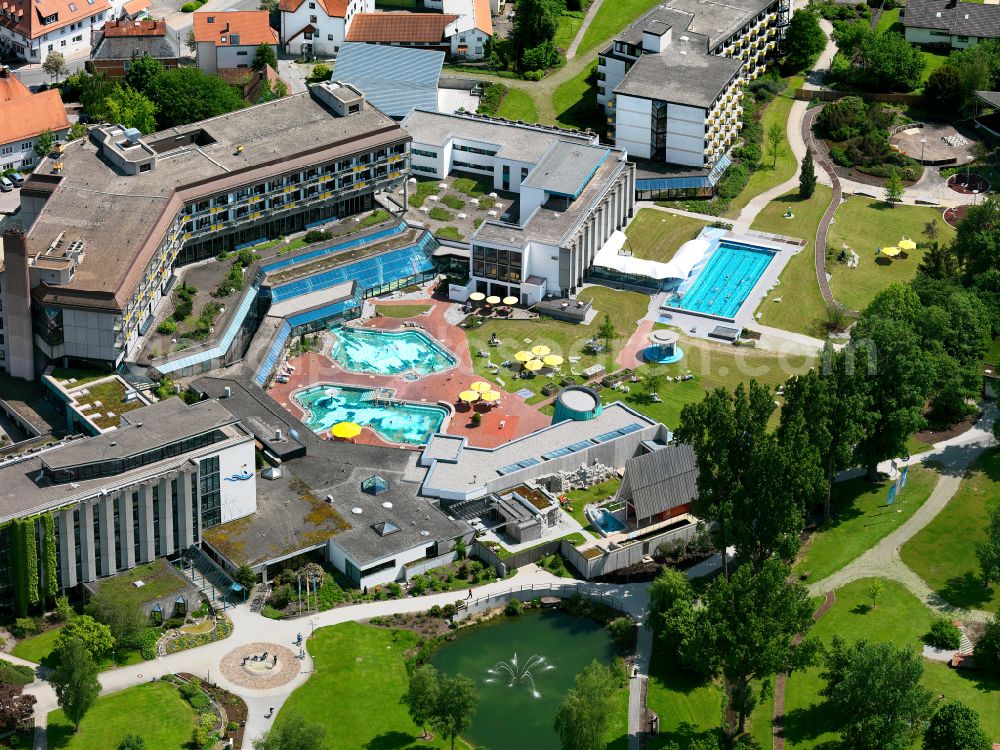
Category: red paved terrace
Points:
column 519, row 419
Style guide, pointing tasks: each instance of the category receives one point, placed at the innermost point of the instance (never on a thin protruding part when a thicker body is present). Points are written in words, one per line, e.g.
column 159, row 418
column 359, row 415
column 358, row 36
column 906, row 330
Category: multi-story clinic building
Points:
column 573, row 194
column 671, row 86
column 145, row 490
column 109, row 218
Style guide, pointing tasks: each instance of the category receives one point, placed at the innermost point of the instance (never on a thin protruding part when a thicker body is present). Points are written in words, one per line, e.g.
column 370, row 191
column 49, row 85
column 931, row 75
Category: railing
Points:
column 538, row 590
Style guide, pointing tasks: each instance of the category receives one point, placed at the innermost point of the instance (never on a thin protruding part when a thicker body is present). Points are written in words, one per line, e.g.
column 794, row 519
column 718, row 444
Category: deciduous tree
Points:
column 142, row 71
column 263, row 57
column 535, row 22
column 955, row 726
column 55, row 65
column 94, row 636
column 186, row 94
column 421, row 696
column 585, row 712
column 130, row 108
column 775, row 142
column 804, row 40
column 874, row 690
column 988, row 552
column 44, row 144
column 15, row 707
column 75, row 679
column 987, row 651
column 456, row 705
column 893, row 188
column 122, row 614
column 293, row 733
column 132, row 742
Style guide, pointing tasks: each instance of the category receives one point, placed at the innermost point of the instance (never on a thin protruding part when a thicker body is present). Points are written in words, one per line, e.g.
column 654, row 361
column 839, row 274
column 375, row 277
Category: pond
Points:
column 523, row 667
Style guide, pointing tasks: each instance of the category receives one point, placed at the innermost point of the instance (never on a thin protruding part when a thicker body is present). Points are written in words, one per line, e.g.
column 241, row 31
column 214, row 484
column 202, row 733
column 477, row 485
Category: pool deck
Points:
column 518, row 417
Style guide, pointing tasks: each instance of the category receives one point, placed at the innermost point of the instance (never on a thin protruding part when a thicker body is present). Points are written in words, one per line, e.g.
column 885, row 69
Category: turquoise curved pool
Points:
column 394, row 421
column 379, row 352
column 727, row 279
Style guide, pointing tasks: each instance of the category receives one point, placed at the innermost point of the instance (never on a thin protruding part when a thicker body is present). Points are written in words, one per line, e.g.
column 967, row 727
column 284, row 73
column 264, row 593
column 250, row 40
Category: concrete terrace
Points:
column 519, row 418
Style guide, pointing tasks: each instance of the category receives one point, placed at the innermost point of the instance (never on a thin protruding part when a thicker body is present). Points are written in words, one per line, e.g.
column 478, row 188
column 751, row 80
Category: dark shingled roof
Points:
column 133, row 47
column 660, row 481
column 964, row 19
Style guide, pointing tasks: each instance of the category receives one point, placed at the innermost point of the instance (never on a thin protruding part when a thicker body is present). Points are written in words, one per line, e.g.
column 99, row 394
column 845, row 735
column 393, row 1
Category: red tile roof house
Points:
column 23, row 117
column 460, row 30
column 30, row 29
column 317, row 28
column 229, row 39
column 121, row 42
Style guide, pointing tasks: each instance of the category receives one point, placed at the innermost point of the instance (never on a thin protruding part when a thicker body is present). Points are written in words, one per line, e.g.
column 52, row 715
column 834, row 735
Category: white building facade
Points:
column 318, row 27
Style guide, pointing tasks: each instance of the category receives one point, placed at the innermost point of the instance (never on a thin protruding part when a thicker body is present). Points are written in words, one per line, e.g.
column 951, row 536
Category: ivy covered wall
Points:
column 51, row 565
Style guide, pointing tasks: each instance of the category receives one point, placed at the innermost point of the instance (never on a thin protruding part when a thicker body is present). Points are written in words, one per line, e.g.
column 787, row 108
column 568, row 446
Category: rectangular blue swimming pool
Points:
column 726, row 280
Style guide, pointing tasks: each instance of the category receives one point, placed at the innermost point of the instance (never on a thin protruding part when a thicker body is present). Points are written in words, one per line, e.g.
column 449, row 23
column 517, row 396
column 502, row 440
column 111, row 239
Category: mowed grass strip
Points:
column 155, row 711
column 863, row 225
column 860, row 520
column 658, row 235
column 943, row 553
column 802, row 308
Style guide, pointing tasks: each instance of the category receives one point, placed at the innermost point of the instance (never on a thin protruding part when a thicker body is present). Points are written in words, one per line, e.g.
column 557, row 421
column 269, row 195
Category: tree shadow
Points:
column 861, row 609
column 59, row 736
column 804, row 724
column 683, row 737
column 966, row 591
column 391, row 741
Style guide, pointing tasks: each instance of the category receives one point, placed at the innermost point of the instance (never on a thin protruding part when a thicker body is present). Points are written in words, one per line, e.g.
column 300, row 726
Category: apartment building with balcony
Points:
column 31, row 29
column 671, row 87
column 109, row 218
column 107, row 503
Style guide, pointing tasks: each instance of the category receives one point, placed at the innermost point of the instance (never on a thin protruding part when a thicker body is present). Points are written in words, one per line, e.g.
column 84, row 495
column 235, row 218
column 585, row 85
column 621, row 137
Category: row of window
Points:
column 470, row 165
column 421, row 152
column 476, row 150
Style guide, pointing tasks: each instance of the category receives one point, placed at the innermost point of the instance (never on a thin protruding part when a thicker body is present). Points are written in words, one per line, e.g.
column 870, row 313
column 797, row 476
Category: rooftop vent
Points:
column 227, row 392
column 329, row 499
column 356, row 510
column 132, row 135
column 387, row 505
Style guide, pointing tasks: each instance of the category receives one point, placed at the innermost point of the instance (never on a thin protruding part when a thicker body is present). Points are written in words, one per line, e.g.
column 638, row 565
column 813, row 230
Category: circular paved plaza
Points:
column 260, row 666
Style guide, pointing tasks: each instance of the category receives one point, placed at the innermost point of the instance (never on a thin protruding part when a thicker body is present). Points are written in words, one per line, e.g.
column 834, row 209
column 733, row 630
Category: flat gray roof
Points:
column 477, row 466
column 684, row 73
column 716, row 20
column 148, row 427
column 25, row 490
column 522, row 142
column 120, row 218
column 566, row 168
column 559, row 217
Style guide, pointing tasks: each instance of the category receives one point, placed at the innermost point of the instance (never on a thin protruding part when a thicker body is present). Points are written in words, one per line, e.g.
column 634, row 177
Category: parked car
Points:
column 6, row 185
column 17, row 178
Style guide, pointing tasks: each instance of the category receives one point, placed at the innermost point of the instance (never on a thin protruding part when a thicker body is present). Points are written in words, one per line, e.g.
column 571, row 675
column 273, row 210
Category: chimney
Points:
column 4, row 71
column 277, row 435
column 227, row 392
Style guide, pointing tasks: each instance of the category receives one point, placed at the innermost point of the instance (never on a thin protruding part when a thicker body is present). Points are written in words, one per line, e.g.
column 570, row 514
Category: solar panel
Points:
column 606, row 436
column 508, row 469
column 633, row 427
column 581, row 445
column 555, row 454
column 528, row 462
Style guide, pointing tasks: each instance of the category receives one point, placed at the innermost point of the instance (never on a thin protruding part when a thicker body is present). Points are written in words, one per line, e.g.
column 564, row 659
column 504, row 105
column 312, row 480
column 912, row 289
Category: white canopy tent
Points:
column 679, row 267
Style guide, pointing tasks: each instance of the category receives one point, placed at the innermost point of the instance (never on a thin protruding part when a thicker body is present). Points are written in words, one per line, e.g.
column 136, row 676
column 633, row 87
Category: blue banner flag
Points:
column 892, row 494
column 902, row 477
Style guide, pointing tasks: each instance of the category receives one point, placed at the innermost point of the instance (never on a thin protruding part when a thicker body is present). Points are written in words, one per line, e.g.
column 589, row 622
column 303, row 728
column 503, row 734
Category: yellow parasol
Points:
column 481, row 386
column 541, row 350
column 553, row 360
column 469, row 396
column 905, row 244
column 491, row 396
column 510, row 300
column 346, row 430
column 524, row 356
column 477, row 296
column 493, row 300
column 533, row 366
column 892, row 252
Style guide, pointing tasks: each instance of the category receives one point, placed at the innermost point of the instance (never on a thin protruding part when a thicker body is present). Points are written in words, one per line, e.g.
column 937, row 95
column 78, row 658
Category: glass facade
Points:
column 209, row 491
column 499, row 265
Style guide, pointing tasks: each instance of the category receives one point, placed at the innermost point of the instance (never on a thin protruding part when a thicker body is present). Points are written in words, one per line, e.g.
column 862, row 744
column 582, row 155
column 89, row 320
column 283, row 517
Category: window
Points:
column 312, row 6
column 62, row 43
column 312, row 19
column 308, row 36
column 421, row 168
column 209, row 492
column 241, row 53
column 421, row 152
column 6, row 150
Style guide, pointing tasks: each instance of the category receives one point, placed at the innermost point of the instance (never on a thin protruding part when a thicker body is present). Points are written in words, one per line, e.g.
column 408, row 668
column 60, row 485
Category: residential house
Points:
column 318, row 27
column 31, row 29
column 230, row 39
column 949, row 23
column 461, row 29
column 23, row 117
column 121, row 42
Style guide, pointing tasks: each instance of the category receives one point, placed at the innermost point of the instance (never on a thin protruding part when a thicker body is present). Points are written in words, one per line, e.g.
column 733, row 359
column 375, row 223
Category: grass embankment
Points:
column 943, row 553
column 863, row 225
column 657, row 235
column 802, row 308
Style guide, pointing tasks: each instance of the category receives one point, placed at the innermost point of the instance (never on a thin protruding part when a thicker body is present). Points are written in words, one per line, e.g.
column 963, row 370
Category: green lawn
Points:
column 401, row 311
column 155, row 711
column 861, row 519
column 158, row 577
column 802, row 310
column 770, row 173
column 518, row 105
column 657, row 235
column 423, row 188
column 943, row 552
column 993, row 355
column 575, row 101
column 82, row 376
column 863, row 225
column 569, row 23
column 889, row 20
column 689, row 707
column 360, row 677
column 593, row 494
column 565, row 339
column 933, row 61
column 611, row 18
column 713, row 366
column 901, row 618
column 39, row 649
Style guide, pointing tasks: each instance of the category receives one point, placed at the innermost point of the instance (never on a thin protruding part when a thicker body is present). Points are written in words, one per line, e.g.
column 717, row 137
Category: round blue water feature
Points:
column 652, row 354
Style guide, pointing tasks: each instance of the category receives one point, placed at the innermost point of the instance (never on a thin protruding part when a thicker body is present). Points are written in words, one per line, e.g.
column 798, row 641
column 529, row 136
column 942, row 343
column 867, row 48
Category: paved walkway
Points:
column 591, row 12
column 954, row 457
column 819, row 248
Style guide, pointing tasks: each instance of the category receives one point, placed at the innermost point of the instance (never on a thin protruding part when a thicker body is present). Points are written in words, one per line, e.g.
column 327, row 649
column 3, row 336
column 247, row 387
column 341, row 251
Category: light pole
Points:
column 923, row 142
